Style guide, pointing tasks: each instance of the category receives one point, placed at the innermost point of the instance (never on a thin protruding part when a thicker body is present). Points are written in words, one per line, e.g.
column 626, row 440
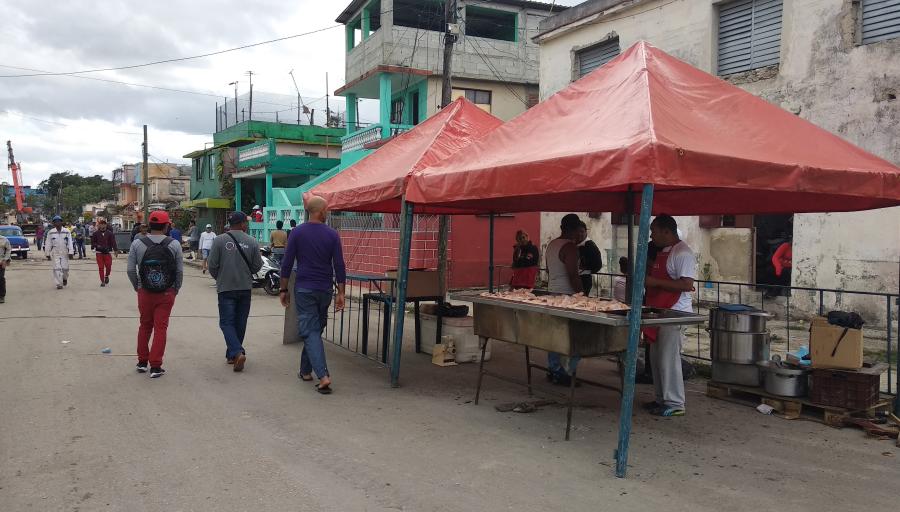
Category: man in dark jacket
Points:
column 590, row 260
column 103, row 241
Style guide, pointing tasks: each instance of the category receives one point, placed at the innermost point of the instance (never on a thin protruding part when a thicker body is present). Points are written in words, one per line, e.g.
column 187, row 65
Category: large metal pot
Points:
column 739, row 347
column 730, row 373
column 751, row 320
column 783, row 381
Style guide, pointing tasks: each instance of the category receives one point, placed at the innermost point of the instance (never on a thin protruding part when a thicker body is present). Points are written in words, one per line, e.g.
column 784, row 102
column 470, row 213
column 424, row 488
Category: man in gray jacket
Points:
column 233, row 260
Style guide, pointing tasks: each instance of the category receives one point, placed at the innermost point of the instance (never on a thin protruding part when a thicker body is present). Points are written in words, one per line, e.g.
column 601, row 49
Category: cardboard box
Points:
column 421, row 283
column 823, row 338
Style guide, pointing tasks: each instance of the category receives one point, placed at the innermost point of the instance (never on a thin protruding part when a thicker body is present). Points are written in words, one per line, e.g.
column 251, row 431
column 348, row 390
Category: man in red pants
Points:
column 103, row 241
column 155, row 269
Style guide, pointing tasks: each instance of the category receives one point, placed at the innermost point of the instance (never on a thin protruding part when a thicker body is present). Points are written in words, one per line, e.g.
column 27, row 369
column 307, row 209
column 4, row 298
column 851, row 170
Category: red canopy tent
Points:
column 709, row 147
column 377, row 183
column 690, row 142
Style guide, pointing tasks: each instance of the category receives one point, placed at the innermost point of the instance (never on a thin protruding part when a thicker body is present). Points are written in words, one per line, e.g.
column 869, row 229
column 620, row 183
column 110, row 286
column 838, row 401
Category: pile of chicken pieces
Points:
column 577, row 301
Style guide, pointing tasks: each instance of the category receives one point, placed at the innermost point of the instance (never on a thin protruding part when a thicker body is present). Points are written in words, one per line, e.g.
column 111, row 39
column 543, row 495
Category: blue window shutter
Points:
column 592, row 58
column 749, row 35
column 880, row 20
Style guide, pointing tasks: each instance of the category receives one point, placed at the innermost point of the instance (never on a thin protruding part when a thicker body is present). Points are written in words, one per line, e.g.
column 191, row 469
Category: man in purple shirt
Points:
column 316, row 249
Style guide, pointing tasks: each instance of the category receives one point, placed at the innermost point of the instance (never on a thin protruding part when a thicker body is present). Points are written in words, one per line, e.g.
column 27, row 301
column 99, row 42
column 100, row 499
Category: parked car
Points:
column 16, row 239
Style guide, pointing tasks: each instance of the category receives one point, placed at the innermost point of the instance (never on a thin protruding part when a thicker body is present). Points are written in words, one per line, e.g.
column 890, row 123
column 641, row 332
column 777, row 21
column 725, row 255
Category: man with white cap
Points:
column 206, row 243
column 59, row 247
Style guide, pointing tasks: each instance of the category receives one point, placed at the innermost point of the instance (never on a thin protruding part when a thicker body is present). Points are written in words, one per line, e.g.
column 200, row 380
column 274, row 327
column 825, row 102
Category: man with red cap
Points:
column 155, row 269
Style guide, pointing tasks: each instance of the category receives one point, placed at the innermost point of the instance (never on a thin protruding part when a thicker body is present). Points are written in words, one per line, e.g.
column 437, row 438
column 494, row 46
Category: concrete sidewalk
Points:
column 83, row 431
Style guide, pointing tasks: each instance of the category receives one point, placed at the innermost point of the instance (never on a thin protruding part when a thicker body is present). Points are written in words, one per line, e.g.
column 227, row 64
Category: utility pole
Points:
column 225, row 117
column 146, row 179
column 446, row 94
column 250, row 114
column 218, row 115
column 235, row 100
column 327, row 102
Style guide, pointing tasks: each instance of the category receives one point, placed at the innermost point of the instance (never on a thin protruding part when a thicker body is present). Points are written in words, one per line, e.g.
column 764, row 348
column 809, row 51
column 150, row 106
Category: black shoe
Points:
column 65, row 282
column 141, row 367
column 156, row 372
column 2, row 300
column 106, row 280
column 102, row 284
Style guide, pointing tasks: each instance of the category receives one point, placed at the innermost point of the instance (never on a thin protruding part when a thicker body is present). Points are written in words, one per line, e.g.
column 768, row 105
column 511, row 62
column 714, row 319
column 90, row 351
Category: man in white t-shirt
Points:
column 669, row 285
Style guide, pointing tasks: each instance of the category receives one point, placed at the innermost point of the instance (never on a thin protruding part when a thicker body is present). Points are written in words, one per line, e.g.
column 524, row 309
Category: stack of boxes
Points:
column 839, row 376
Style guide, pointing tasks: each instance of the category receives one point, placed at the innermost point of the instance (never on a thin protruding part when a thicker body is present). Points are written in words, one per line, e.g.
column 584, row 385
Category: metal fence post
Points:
column 634, row 331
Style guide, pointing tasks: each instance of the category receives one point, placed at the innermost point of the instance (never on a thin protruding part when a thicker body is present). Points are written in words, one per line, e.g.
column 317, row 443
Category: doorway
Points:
column 771, row 231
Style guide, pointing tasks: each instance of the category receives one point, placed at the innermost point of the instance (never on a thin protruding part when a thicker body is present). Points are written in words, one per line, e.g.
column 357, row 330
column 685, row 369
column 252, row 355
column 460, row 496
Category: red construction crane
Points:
column 16, row 171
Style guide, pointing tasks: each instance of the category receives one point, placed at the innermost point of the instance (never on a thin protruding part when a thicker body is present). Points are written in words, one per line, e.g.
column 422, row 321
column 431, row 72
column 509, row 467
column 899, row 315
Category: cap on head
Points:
column 209, row 226
column 237, row 218
column 256, row 207
column 159, row 217
column 57, row 218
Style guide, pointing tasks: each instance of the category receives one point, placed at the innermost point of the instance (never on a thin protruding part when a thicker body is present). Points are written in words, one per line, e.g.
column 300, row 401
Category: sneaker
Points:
column 667, row 412
column 156, row 372
column 239, row 362
column 142, row 367
column 106, row 280
column 59, row 287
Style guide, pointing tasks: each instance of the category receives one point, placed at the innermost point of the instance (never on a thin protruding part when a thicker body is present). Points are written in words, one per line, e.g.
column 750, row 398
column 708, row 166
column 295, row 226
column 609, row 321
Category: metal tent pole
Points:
column 406, row 228
column 629, row 203
column 634, row 331
column 491, row 253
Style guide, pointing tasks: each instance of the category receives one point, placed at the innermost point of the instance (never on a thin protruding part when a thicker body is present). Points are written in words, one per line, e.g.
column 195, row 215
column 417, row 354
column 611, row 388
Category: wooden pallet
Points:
column 791, row 408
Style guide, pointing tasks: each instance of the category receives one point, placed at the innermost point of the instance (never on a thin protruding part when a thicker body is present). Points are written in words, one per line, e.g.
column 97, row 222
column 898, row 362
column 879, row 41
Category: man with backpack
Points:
column 155, row 269
column 233, row 260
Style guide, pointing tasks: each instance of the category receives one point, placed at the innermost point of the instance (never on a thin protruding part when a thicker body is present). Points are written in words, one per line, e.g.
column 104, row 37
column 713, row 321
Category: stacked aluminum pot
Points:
column 738, row 340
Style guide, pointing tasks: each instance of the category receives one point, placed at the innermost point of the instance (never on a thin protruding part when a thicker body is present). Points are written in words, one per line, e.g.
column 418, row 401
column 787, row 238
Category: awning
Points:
column 208, row 202
column 649, row 118
column 377, row 182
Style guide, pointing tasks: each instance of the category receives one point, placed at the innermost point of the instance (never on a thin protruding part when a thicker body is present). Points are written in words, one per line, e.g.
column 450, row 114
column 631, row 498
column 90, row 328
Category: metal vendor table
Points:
column 565, row 331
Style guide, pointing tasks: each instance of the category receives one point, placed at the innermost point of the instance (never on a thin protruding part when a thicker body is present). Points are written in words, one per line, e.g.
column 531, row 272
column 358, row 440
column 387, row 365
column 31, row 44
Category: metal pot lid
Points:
column 741, row 309
column 772, row 366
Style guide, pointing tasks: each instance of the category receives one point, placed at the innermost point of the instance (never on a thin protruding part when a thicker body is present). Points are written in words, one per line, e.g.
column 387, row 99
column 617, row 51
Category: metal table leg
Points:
column 386, row 335
column 528, row 369
column 418, row 325
column 571, row 403
column 480, row 368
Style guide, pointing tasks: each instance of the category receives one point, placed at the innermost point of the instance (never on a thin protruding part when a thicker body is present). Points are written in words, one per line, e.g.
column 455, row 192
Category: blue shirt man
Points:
column 316, row 250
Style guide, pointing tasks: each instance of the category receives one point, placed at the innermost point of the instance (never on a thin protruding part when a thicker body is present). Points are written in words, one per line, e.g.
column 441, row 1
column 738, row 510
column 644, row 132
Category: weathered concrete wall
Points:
column 825, row 77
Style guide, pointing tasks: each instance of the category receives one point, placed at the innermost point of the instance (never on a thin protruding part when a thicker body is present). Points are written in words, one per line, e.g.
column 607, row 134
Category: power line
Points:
column 178, row 59
column 24, row 116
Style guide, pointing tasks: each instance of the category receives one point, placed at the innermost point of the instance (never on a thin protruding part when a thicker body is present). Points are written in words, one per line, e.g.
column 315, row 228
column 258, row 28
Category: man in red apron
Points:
column 669, row 284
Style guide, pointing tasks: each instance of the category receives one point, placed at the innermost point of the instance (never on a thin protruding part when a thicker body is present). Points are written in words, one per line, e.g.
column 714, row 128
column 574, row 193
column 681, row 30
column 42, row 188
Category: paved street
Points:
column 81, row 431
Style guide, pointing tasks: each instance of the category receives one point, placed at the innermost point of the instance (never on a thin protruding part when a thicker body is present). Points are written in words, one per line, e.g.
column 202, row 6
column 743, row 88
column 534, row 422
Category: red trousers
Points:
column 104, row 263
column 155, row 309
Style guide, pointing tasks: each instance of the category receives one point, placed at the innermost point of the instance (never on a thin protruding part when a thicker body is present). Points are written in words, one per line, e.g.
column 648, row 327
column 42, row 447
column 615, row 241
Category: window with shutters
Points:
column 880, row 20
column 480, row 98
column 592, row 57
column 749, row 35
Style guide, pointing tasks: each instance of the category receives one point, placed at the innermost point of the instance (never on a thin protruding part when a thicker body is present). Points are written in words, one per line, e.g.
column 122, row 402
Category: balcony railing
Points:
column 358, row 139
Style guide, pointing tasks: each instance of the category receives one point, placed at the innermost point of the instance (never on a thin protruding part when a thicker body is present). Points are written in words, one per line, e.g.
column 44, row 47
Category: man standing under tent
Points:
column 561, row 257
column 59, row 248
column 669, row 285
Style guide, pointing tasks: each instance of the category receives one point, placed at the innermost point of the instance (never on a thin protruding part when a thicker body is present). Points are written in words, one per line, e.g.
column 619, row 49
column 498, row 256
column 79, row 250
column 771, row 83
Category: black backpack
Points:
column 157, row 269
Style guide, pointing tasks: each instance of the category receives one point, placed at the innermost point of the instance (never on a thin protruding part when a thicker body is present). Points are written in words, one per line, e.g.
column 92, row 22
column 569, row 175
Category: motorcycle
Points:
column 269, row 276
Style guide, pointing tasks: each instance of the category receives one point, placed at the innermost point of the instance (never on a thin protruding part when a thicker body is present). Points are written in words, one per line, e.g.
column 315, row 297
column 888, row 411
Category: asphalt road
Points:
column 81, row 431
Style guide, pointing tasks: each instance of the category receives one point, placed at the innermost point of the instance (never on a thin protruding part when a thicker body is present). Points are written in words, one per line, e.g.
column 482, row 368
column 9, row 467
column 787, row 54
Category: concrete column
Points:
column 384, row 98
column 351, row 113
column 237, row 194
column 268, row 190
column 366, row 22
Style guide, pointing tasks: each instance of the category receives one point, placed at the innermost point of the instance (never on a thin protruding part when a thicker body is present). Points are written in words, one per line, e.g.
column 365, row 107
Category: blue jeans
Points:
column 79, row 248
column 554, row 363
column 234, row 309
column 312, row 316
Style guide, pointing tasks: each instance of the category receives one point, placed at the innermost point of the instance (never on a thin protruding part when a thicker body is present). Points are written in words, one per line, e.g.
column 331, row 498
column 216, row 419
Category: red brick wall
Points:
column 375, row 252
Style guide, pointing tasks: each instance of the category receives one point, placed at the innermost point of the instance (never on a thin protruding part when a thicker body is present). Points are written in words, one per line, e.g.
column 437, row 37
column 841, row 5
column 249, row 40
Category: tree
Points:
column 68, row 192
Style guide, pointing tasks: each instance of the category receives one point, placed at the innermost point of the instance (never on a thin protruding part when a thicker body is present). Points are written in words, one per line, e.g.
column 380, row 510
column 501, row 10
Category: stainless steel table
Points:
column 565, row 331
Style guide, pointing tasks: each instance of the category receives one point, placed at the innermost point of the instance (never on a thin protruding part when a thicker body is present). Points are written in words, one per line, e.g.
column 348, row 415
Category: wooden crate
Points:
column 791, row 408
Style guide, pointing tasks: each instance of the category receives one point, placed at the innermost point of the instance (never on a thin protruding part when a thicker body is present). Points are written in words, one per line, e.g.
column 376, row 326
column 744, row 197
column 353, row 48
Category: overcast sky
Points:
column 88, row 126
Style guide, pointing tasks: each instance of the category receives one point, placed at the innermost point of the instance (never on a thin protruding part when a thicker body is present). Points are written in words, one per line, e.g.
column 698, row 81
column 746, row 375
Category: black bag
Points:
column 843, row 319
column 157, row 269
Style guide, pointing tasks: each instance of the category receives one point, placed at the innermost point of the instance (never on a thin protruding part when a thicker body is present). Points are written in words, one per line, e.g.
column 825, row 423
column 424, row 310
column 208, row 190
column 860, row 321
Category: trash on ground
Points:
column 765, row 409
column 106, row 350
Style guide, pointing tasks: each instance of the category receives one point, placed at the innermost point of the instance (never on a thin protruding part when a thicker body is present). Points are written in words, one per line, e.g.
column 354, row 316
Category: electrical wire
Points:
column 177, row 59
